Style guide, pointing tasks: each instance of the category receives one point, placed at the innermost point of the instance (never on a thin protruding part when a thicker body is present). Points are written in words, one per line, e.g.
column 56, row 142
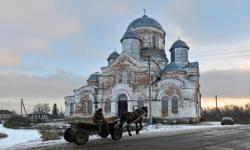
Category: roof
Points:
column 145, row 21
column 179, row 43
column 94, row 76
column 5, row 112
column 113, row 55
column 193, row 64
column 170, row 67
column 39, row 113
column 130, row 34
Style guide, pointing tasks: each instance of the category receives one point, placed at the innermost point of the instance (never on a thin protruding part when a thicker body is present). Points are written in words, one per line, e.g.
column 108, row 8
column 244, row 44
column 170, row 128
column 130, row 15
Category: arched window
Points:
column 174, row 104
column 84, row 106
column 71, row 109
column 86, row 102
column 164, row 105
column 140, row 102
column 146, row 40
column 154, row 41
column 107, row 106
column 120, row 77
column 89, row 106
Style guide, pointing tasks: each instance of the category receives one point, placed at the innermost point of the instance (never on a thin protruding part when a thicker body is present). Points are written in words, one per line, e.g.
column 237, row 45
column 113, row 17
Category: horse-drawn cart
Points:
column 79, row 131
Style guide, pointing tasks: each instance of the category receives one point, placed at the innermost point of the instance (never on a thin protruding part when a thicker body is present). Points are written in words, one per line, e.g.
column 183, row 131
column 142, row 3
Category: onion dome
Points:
column 145, row 21
column 179, row 44
column 94, row 76
column 113, row 55
column 130, row 34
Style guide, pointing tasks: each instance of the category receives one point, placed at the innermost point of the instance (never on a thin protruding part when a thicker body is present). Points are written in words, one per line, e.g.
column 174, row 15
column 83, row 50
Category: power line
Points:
column 228, row 53
column 222, row 57
column 223, row 49
column 222, row 53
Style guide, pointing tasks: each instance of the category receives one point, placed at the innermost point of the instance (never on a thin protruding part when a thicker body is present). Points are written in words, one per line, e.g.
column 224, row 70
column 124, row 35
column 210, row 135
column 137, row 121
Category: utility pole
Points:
column 23, row 108
column 149, row 86
column 147, row 54
column 216, row 103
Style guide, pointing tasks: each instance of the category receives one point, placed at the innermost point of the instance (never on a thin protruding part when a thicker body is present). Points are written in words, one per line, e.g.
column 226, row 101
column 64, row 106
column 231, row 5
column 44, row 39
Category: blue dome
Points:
column 145, row 21
column 130, row 34
column 94, row 76
column 170, row 67
column 113, row 55
column 179, row 43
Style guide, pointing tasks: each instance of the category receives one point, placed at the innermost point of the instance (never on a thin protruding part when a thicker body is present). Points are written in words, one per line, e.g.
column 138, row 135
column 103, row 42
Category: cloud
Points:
column 58, row 84
column 225, row 83
column 211, row 22
column 32, row 26
column 40, row 17
column 9, row 60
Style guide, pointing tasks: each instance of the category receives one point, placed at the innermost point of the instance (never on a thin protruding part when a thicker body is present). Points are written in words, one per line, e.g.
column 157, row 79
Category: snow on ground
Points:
column 151, row 130
column 17, row 136
column 159, row 128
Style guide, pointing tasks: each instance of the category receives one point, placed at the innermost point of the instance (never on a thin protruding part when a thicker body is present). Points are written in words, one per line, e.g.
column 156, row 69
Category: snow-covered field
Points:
column 25, row 139
column 17, row 136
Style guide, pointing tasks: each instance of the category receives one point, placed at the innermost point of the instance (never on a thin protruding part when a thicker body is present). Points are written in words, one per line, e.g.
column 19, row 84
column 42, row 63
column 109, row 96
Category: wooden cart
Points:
column 79, row 131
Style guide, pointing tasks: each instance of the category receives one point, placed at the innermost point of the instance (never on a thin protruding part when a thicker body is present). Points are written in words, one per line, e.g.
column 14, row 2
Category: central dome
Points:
column 145, row 21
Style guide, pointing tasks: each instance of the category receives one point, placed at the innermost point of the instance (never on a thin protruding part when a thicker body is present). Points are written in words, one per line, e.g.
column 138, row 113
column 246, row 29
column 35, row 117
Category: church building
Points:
column 140, row 70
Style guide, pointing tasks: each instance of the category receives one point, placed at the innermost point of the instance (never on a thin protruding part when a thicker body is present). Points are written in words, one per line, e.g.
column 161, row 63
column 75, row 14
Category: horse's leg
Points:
column 121, row 124
column 141, row 126
column 136, row 128
column 128, row 130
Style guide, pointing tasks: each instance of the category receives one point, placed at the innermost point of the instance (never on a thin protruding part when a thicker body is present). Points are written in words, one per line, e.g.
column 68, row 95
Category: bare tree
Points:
column 42, row 107
column 55, row 110
column 239, row 113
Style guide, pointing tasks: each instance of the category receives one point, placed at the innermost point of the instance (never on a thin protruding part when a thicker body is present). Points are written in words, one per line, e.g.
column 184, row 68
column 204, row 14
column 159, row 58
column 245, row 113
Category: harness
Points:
column 139, row 112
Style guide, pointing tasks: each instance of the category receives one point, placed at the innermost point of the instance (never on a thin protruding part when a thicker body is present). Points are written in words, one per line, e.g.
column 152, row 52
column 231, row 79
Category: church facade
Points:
column 124, row 83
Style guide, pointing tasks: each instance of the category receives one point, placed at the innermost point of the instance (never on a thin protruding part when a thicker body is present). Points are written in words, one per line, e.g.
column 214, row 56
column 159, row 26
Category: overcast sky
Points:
column 49, row 47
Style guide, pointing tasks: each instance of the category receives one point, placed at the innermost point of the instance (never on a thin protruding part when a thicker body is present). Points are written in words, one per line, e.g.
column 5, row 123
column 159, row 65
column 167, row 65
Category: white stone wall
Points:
column 70, row 100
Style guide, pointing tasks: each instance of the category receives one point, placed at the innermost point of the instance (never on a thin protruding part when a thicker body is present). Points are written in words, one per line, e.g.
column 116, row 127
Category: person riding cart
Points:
column 98, row 117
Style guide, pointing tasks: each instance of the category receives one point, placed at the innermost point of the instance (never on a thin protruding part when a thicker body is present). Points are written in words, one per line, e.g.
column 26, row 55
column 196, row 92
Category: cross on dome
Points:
column 144, row 11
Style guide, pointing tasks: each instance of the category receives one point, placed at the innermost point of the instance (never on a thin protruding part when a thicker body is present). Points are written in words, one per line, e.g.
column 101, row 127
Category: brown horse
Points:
column 134, row 117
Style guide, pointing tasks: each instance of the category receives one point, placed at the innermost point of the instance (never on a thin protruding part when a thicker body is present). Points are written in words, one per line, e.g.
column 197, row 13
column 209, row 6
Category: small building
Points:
column 5, row 115
column 40, row 115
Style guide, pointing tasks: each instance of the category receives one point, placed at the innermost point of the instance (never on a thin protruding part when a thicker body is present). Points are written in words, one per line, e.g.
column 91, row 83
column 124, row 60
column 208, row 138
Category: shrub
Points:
column 50, row 135
column 16, row 122
column 2, row 135
column 240, row 114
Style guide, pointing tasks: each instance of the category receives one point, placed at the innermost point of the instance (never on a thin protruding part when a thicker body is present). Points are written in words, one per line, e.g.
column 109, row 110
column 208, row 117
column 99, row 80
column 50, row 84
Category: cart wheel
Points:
column 81, row 137
column 68, row 135
column 116, row 134
column 103, row 131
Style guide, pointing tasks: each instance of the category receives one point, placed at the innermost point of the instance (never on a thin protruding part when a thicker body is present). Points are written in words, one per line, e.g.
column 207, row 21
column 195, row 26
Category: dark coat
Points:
column 98, row 117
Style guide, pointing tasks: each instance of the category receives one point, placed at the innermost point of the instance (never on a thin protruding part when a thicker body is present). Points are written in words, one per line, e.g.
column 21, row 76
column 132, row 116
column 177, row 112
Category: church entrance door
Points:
column 122, row 104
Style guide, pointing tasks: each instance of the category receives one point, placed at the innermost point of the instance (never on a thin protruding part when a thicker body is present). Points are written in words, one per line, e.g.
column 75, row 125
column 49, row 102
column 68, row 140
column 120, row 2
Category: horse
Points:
column 134, row 117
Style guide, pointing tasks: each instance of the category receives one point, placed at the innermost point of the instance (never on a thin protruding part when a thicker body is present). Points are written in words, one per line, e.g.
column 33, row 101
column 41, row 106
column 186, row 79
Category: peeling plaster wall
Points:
column 183, row 84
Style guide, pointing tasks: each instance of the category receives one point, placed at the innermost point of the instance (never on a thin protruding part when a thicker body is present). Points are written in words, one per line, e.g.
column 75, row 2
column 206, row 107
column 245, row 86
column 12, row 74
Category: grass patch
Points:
column 2, row 135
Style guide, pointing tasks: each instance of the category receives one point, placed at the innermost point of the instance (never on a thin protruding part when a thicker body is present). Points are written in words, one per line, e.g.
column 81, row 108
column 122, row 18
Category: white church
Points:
column 124, row 83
